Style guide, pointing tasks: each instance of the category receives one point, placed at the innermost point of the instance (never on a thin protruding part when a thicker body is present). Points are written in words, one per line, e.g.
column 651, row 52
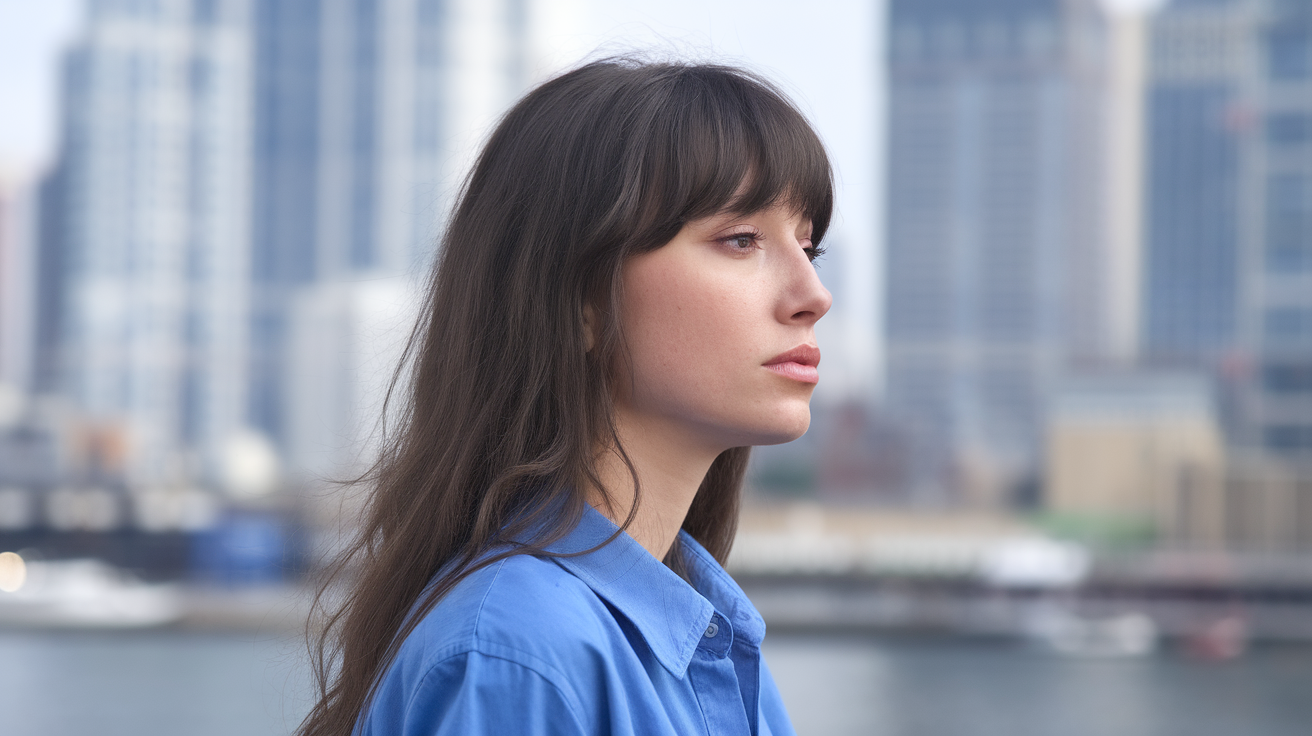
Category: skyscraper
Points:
column 366, row 112
column 1228, row 262
column 996, row 231
column 226, row 166
column 17, row 295
column 1279, row 313
column 152, row 205
column 1196, row 123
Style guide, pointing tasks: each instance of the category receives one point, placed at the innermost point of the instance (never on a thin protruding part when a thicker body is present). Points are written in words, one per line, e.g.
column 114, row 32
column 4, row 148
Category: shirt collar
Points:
column 711, row 581
column 670, row 614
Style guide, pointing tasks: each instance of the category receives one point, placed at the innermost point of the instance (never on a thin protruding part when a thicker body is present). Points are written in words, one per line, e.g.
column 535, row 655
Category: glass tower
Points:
column 153, row 226
column 993, row 207
column 1228, row 277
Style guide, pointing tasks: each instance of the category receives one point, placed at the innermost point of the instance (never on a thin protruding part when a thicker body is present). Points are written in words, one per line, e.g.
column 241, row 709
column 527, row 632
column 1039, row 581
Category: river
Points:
column 167, row 683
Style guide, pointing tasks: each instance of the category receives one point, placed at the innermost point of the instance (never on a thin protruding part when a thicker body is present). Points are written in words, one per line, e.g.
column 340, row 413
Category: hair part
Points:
column 504, row 407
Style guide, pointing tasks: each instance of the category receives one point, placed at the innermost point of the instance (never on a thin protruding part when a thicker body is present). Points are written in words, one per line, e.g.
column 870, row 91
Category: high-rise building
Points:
column 152, row 211
column 1228, row 261
column 17, row 295
column 227, row 165
column 1279, row 312
column 1196, row 122
column 51, row 286
column 366, row 114
column 997, row 242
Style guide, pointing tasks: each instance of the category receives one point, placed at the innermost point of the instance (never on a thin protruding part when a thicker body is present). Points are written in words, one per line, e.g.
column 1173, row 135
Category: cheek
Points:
column 689, row 332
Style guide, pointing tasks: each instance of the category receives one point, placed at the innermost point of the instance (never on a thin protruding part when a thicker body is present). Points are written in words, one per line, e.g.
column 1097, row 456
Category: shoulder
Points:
column 523, row 609
column 522, row 629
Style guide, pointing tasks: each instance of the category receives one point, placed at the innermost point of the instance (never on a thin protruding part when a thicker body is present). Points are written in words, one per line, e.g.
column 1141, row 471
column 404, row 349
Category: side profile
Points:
column 623, row 304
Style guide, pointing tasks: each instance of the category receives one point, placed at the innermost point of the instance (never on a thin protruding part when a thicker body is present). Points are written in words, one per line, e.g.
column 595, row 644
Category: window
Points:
column 1287, row 378
column 1288, row 326
column 1289, row 437
column 1288, row 128
column 906, row 42
column 1288, row 223
column 1038, row 38
column 1289, row 54
column 991, row 38
column 199, row 75
column 950, row 40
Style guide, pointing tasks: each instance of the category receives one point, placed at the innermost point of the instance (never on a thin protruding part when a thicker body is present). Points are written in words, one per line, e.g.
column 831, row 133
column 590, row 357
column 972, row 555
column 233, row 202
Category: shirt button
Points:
column 711, row 630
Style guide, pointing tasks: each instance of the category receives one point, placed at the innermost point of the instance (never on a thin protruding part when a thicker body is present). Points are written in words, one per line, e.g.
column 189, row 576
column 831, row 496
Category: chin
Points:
column 784, row 425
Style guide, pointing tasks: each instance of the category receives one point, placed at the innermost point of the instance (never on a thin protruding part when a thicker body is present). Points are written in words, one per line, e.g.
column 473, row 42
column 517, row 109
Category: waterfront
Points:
column 845, row 686
column 168, row 682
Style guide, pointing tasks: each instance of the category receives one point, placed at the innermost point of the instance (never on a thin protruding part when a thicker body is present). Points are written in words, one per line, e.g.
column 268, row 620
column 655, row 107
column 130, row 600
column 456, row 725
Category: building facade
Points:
column 1228, row 259
column 17, row 272
column 223, row 164
column 1141, row 451
column 996, row 228
column 366, row 114
column 151, row 201
column 1196, row 122
column 1279, row 313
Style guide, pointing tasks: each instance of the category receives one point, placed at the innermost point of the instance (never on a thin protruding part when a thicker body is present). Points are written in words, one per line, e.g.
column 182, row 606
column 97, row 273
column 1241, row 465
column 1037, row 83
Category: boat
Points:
column 1219, row 639
column 1120, row 636
column 88, row 594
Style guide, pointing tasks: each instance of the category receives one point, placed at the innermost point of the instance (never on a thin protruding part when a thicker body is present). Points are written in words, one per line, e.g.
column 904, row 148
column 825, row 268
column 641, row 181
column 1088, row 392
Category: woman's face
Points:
column 720, row 325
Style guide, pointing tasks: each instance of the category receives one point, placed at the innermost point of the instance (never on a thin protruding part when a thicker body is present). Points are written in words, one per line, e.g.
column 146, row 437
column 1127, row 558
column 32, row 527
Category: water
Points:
column 946, row 687
column 161, row 683
column 169, row 683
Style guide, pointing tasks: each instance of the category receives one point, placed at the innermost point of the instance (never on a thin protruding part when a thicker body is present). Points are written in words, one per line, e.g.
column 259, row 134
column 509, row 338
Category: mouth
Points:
column 798, row 364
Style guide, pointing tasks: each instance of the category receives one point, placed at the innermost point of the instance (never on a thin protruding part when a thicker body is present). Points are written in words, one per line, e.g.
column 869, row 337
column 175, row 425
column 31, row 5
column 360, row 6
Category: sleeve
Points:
column 475, row 693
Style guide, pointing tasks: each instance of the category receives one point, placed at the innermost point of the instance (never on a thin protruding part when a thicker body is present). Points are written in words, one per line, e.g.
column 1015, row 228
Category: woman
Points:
column 623, row 305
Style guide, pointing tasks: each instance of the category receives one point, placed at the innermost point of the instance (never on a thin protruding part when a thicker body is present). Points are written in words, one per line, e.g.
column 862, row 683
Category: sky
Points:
column 31, row 35
column 826, row 57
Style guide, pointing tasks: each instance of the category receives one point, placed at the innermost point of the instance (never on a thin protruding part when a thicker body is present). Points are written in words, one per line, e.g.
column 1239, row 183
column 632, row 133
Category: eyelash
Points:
column 732, row 239
column 812, row 253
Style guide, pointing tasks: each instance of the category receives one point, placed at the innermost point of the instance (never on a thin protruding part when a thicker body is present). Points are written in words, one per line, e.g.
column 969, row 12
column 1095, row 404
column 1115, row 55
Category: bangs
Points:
column 731, row 142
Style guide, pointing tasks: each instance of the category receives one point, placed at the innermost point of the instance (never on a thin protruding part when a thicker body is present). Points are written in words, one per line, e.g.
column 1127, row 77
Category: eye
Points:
column 812, row 251
column 742, row 242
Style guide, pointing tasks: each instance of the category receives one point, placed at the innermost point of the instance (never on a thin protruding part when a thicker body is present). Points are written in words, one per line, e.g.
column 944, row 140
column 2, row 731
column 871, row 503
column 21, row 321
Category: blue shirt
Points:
column 612, row 642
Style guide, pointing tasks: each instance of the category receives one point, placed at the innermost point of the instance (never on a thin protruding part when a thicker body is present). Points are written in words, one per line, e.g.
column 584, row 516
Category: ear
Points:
column 589, row 327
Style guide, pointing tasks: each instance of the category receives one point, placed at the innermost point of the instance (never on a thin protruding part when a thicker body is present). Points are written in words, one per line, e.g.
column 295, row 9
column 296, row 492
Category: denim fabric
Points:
column 611, row 642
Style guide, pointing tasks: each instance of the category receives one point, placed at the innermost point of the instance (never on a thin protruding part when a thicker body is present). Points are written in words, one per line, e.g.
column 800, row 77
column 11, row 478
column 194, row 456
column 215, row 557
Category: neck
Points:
column 670, row 466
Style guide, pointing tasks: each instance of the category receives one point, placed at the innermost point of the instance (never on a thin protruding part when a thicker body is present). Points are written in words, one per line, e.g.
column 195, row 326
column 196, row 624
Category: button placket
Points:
column 717, row 637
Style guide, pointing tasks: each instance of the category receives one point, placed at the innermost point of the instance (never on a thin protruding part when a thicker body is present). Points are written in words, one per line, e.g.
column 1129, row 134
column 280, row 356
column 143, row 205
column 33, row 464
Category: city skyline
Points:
column 1076, row 189
column 999, row 250
column 1081, row 193
column 771, row 38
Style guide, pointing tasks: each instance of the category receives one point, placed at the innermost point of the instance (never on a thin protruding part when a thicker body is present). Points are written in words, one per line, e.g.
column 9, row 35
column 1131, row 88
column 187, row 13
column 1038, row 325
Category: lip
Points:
column 798, row 364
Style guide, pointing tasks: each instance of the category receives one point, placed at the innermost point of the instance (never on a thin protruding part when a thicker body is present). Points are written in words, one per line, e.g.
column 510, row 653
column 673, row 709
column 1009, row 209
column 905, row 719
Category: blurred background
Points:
column 1059, row 474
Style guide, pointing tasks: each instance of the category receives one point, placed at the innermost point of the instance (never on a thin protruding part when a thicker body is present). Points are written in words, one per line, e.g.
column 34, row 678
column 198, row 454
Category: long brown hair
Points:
column 503, row 406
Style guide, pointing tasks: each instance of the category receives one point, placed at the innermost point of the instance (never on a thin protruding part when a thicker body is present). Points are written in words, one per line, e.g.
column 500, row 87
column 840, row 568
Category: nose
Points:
column 804, row 299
